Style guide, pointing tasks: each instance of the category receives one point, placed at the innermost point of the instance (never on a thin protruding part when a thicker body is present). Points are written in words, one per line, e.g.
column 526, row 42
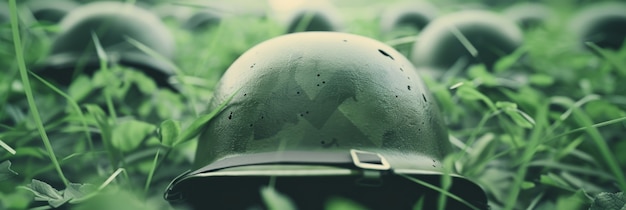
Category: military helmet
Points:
column 602, row 23
column 113, row 23
column 202, row 20
column 414, row 15
column 528, row 15
column 51, row 11
column 314, row 19
column 470, row 36
column 322, row 113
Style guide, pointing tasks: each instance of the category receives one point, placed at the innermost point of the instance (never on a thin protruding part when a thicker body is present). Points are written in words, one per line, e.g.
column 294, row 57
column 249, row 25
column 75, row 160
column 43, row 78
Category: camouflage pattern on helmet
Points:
column 324, row 91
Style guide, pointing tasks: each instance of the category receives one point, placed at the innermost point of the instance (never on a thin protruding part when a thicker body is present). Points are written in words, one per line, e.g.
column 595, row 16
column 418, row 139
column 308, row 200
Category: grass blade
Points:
column 74, row 105
column 197, row 125
column 111, row 178
column 527, row 155
column 602, row 146
column 152, row 170
column 19, row 55
column 7, row 147
column 103, row 67
column 442, row 191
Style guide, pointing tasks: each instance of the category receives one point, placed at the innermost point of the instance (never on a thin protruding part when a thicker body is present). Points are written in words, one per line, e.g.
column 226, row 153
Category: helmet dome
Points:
column 528, row 15
column 112, row 23
column 604, row 24
column 202, row 20
column 323, row 108
column 314, row 19
column 51, row 11
column 415, row 15
column 444, row 41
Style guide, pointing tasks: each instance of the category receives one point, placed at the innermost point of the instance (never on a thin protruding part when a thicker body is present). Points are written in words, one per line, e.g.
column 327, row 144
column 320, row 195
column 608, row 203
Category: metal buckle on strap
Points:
column 369, row 160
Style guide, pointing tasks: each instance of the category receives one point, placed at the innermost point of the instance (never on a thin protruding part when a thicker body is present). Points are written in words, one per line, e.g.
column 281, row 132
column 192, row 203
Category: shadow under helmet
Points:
column 322, row 114
column 113, row 23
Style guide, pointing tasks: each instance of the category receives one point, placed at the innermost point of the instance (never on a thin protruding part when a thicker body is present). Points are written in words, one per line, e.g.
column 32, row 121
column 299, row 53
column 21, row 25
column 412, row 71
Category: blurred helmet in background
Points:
column 114, row 24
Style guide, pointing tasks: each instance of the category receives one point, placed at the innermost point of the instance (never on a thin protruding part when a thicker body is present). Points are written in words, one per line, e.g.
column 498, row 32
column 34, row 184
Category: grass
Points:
column 553, row 141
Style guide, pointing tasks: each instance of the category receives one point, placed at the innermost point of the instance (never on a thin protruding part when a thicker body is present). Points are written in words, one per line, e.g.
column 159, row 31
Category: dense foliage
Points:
column 543, row 129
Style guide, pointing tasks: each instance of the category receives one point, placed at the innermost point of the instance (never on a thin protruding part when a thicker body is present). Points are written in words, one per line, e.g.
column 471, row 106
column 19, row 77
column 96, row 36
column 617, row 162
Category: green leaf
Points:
column 508, row 61
column 577, row 200
column 469, row 93
column 76, row 191
column 339, row 203
column 44, row 192
column 480, row 72
column 168, row 132
column 609, row 201
column 541, row 80
column 505, row 105
column 519, row 118
column 275, row 200
column 527, row 185
column 555, row 180
column 80, row 88
column 419, row 205
column 128, row 135
column 5, row 171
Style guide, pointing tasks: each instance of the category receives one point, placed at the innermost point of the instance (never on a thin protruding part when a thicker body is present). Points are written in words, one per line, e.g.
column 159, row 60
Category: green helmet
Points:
column 324, row 114
column 528, row 15
column 444, row 41
column 202, row 20
column 51, row 11
column 314, row 19
column 414, row 15
column 113, row 23
column 603, row 24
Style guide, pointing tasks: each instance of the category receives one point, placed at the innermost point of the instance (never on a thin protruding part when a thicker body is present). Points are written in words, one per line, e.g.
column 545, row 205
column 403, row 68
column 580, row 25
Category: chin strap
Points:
column 371, row 163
